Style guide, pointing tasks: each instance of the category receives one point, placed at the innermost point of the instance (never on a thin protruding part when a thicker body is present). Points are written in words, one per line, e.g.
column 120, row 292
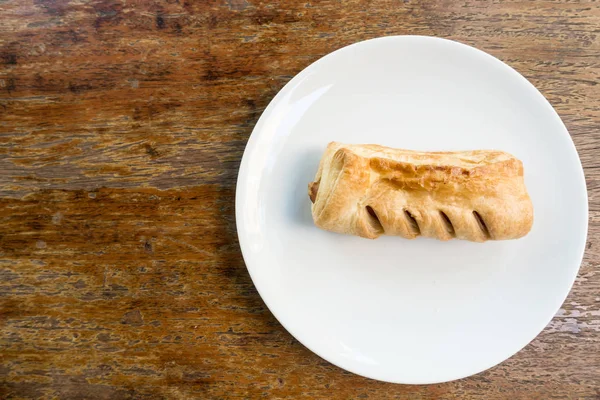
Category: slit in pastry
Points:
column 375, row 222
column 482, row 224
column 447, row 223
column 412, row 223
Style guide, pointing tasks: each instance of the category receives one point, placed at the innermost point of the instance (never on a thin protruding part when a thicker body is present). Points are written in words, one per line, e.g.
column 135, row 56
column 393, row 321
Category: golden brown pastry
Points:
column 371, row 190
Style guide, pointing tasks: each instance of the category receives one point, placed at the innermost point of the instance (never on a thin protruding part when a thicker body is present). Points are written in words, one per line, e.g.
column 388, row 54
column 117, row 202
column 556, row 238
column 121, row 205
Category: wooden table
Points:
column 122, row 126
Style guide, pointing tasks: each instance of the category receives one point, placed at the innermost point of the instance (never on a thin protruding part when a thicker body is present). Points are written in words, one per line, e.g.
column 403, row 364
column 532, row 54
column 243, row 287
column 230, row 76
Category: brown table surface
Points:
column 122, row 126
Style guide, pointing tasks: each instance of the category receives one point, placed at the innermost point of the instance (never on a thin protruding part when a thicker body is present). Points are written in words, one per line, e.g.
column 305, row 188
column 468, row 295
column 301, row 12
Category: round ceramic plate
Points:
column 409, row 311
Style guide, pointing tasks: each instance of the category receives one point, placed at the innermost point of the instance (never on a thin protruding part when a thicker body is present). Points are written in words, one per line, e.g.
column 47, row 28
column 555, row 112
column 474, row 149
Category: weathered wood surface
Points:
column 122, row 125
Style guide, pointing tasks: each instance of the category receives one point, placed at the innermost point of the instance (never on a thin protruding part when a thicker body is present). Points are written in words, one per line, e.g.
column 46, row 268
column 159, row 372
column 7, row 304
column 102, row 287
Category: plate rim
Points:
column 241, row 190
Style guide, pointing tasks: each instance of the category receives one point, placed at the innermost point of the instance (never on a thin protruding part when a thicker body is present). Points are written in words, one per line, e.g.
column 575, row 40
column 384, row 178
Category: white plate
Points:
column 420, row 311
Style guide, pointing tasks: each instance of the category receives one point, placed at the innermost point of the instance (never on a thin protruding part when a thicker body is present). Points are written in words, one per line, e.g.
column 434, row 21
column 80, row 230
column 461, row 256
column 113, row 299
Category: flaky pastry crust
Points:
column 371, row 190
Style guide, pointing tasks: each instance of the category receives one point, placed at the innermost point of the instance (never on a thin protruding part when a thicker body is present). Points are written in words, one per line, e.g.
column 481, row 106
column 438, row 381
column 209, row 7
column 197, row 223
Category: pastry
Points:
column 371, row 190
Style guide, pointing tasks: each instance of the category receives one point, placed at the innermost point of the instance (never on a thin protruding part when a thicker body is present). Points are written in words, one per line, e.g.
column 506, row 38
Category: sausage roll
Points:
column 371, row 190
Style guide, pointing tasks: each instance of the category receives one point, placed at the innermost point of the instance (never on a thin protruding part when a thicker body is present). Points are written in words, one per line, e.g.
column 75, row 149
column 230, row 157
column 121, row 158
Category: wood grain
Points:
column 122, row 125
